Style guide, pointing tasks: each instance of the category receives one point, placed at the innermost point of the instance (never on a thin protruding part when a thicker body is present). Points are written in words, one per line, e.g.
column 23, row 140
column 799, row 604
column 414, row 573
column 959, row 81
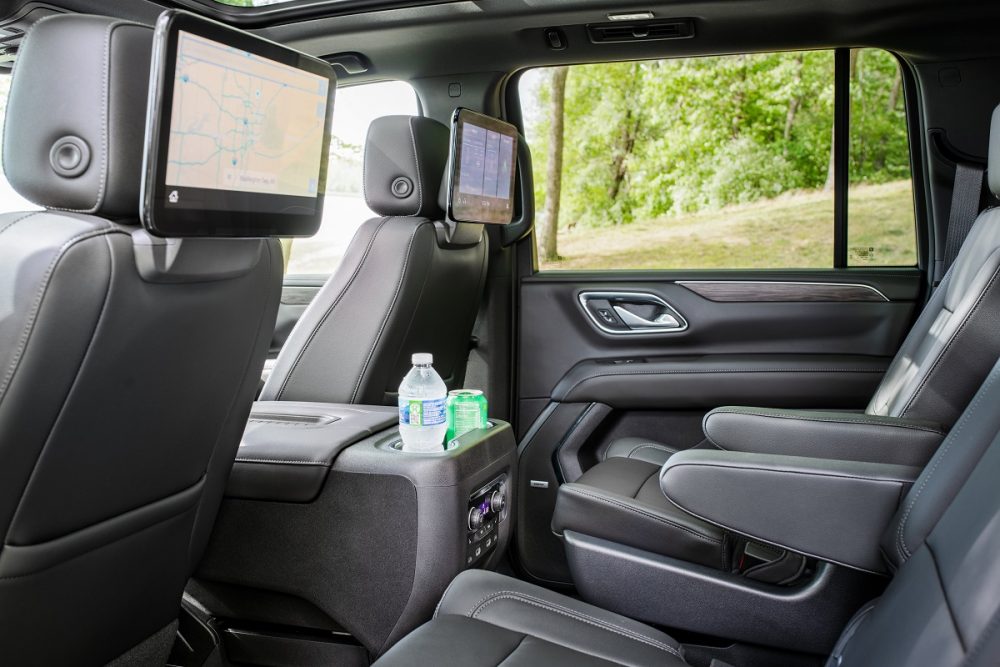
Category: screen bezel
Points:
column 246, row 218
column 460, row 115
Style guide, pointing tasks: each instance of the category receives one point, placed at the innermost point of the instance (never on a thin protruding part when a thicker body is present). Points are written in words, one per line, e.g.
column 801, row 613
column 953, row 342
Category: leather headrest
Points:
column 405, row 159
column 76, row 117
column 993, row 159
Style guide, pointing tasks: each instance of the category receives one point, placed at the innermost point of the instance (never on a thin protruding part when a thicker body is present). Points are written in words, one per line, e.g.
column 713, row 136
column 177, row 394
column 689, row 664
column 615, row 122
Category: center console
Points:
column 332, row 542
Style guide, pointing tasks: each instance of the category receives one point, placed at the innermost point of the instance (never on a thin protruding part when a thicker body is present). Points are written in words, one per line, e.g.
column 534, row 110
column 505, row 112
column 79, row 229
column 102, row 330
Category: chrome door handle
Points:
column 661, row 321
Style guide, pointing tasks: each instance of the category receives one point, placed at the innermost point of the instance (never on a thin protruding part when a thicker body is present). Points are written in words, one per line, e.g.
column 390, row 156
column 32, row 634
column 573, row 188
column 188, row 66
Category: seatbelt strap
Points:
column 965, row 197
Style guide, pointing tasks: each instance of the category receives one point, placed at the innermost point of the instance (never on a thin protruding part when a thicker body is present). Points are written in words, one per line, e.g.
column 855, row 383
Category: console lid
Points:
column 288, row 447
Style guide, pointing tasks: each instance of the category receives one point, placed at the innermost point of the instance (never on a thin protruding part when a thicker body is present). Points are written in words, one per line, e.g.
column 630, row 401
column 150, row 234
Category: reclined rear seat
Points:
column 942, row 607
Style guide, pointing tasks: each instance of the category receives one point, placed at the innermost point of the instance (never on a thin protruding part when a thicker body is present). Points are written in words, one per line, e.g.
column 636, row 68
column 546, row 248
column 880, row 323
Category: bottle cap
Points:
column 422, row 358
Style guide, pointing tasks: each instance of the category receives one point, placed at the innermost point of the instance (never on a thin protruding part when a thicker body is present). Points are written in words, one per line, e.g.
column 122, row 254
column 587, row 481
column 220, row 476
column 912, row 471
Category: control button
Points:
column 607, row 316
column 497, row 502
column 475, row 518
column 468, row 561
column 479, row 551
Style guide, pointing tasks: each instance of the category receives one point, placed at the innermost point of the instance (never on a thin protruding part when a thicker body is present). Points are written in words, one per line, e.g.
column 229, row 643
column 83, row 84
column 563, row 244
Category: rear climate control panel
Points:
column 487, row 510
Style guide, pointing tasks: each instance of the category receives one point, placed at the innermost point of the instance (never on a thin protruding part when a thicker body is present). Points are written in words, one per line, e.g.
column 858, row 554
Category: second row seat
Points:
column 942, row 361
column 940, row 607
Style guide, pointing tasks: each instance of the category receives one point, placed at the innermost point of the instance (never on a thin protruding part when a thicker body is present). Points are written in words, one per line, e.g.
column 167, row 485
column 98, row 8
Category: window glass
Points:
column 702, row 163
column 881, row 230
column 9, row 200
column 344, row 209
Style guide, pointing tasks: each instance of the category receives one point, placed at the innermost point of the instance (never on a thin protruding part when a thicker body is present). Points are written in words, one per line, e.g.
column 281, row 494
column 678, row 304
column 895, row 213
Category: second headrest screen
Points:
column 484, row 159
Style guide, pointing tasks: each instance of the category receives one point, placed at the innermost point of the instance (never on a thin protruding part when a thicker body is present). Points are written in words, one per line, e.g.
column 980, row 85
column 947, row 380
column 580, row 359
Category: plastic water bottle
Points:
column 422, row 411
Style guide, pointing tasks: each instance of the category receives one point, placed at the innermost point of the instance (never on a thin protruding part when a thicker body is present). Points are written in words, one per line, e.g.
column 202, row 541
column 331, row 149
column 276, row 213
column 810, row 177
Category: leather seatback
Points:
column 942, row 607
column 125, row 379
column 408, row 283
column 955, row 340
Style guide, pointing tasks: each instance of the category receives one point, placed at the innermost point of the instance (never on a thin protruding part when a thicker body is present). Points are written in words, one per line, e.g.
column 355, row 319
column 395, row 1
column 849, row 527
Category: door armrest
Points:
column 835, row 511
column 847, row 436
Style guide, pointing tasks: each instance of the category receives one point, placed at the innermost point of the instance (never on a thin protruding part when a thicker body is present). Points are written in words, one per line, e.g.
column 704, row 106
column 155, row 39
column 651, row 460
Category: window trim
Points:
column 841, row 153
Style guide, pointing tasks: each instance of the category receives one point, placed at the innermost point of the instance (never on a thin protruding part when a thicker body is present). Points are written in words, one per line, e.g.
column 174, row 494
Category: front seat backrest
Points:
column 127, row 363
column 408, row 283
column 954, row 342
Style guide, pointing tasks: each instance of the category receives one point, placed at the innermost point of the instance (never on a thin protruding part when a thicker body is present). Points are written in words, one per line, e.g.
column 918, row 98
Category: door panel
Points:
column 589, row 373
column 555, row 333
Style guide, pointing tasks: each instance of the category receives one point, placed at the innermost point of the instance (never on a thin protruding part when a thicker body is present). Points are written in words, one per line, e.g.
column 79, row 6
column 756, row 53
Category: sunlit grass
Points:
column 791, row 231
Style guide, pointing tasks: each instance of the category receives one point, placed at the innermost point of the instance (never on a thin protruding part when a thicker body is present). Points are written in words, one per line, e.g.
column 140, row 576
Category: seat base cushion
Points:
column 486, row 619
column 620, row 500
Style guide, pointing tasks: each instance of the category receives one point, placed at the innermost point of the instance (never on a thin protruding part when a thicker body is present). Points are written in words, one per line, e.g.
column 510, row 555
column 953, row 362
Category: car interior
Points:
column 725, row 295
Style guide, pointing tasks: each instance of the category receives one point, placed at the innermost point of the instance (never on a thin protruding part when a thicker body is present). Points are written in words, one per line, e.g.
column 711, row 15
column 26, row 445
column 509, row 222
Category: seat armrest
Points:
column 847, row 436
column 288, row 447
column 835, row 511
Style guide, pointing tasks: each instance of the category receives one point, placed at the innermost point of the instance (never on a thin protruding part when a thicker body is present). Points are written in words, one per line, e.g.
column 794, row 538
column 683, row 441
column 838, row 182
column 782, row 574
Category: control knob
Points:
column 497, row 502
column 475, row 518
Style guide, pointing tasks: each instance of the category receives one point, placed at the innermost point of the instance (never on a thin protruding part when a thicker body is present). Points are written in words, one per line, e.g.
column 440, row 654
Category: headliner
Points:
column 506, row 35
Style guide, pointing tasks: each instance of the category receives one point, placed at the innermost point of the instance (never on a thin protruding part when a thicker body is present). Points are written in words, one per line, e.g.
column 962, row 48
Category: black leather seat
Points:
column 941, row 607
column 941, row 363
column 409, row 282
column 127, row 364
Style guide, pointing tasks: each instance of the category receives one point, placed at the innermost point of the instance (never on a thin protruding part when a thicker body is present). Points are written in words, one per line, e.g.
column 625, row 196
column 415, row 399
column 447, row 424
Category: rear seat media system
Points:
column 483, row 163
column 237, row 133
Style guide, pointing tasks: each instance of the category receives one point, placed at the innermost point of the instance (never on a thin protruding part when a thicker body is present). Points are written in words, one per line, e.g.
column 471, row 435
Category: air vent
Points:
column 640, row 31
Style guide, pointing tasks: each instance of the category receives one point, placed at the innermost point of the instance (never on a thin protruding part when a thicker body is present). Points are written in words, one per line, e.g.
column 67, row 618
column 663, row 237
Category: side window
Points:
column 344, row 209
column 881, row 230
column 701, row 163
column 9, row 200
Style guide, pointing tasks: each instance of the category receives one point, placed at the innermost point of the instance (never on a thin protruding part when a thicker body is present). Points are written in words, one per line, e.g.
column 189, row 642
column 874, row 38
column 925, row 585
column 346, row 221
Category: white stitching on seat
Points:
column 575, row 615
column 416, row 161
column 901, row 547
column 958, row 332
column 333, row 304
column 636, row 510
column 32, row 313
column 388, row 312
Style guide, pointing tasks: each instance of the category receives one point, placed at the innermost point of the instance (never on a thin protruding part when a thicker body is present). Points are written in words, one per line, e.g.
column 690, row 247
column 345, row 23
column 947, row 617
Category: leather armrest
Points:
column 835, row 511
column 288, row 447
column 826, row 435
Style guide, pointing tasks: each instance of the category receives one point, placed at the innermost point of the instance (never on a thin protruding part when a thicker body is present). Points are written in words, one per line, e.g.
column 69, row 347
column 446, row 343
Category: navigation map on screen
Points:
column 485, row 174
column 242, row 122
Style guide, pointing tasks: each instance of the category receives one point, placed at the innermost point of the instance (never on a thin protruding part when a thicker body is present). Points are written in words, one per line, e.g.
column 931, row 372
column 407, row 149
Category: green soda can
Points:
column 466, row 412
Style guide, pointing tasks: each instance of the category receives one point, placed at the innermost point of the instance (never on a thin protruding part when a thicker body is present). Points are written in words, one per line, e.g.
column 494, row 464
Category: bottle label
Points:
column 416, row 412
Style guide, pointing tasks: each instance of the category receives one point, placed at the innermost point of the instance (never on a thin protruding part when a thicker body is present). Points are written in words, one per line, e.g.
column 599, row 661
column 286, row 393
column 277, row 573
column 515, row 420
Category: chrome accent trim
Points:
column 635, row 297
column 685, row 283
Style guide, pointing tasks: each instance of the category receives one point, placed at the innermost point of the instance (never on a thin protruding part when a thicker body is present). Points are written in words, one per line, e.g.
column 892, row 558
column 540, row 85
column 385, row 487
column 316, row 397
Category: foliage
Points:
column 791, row 231
column 652, row 138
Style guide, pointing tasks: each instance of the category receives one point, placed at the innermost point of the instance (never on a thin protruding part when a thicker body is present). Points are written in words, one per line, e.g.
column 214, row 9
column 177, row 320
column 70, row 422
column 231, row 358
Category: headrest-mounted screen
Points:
column 483, row 163
column 237, row 134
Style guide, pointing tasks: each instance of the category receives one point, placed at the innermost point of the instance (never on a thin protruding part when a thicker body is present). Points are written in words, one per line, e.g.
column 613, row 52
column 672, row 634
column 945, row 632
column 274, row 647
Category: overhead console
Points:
column 333, row 539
